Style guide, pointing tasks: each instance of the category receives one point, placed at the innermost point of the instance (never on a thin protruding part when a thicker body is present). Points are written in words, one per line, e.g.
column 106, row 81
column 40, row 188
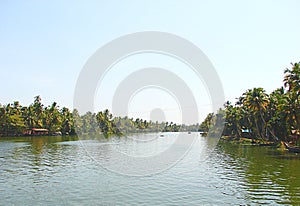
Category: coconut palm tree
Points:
column 38, row 112
column 277, row 114
column 292, row 83
column 104, row 120
column 256, row 100
column 233, row 116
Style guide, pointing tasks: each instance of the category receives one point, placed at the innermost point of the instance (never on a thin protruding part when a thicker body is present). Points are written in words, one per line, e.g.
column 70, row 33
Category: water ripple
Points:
column 43, row 172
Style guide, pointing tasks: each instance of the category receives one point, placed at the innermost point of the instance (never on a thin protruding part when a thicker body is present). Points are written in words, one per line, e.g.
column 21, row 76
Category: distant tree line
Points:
column 266, row 117
column 16, row 120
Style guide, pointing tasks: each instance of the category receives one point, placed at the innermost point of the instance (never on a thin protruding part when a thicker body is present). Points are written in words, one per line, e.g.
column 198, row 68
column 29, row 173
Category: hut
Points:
column 37, row 131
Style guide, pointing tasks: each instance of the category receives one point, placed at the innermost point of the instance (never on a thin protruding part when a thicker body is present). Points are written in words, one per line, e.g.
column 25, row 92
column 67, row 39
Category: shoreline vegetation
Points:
column 261, row 118
column 39, row 120
column 256, row 117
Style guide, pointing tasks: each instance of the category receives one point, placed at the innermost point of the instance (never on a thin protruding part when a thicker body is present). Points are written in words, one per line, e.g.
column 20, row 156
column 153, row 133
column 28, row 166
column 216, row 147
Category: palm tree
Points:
column 292, row 83
column 67, row 123
column 78, row 122
column 256, row 100
column 4, row 120
column 277, row 113
column 38, row 112
column 104, row 120
column 292, row 79
column 233, row 125
column 11, row 119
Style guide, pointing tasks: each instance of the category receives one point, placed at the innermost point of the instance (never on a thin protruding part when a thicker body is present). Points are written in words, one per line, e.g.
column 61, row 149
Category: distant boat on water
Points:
column 203, row 133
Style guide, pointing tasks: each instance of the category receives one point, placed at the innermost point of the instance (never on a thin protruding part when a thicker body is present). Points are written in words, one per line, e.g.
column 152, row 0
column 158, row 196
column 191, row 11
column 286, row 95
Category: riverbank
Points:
column 248, row 141
column 281, row 146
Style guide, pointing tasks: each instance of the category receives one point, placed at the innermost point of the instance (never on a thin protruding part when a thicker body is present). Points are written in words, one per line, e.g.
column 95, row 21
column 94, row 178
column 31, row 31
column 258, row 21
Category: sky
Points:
column 45, row 44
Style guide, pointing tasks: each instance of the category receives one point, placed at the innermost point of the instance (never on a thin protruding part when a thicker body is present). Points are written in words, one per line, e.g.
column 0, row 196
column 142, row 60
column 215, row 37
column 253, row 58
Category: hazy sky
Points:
column 45, row 44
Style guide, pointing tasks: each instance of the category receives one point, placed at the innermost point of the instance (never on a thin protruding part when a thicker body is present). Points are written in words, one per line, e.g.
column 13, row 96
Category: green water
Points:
column 60, row 171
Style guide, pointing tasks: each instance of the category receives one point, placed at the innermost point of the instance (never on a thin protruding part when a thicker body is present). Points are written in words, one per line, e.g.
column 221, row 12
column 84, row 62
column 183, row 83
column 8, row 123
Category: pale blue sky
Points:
column 44, row 44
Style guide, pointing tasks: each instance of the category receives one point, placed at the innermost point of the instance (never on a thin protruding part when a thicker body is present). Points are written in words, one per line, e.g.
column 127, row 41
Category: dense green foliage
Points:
column 16, row 119
column 266, row 117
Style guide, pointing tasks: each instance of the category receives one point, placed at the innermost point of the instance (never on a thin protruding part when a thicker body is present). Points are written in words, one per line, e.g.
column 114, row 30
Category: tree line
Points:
column 15, row 120
column 265, row 117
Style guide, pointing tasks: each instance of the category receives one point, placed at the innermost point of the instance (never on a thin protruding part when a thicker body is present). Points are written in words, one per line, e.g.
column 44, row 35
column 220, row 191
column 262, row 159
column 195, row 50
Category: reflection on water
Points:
column 58, row 171
column 269, row 175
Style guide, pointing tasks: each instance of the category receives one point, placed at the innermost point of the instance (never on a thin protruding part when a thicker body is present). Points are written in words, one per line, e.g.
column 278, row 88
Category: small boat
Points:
column 291, row 148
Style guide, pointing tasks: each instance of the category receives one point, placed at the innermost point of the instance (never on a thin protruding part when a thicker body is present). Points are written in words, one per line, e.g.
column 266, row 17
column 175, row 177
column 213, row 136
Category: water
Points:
column 59, row 171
